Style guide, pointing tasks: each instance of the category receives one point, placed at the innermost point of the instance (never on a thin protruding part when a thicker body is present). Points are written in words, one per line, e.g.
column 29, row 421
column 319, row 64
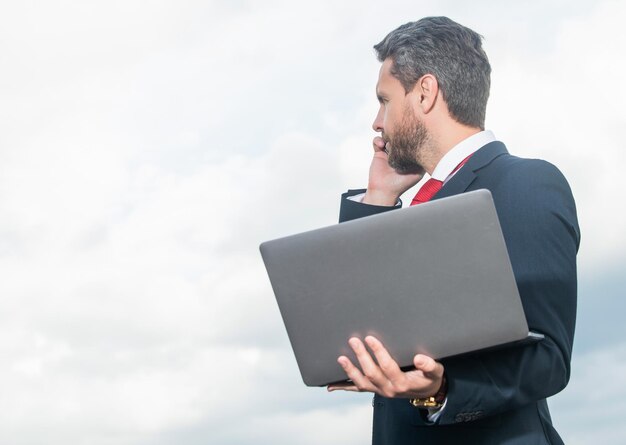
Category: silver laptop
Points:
column 433, row 279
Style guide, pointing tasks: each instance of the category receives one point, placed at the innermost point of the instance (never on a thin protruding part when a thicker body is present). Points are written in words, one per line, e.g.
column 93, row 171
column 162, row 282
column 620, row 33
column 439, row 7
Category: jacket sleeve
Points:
column 350, row 210
column 538, row 218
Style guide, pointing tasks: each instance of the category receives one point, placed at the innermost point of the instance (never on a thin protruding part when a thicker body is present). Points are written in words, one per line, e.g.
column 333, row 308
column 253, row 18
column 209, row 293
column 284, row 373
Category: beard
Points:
column 406, row 145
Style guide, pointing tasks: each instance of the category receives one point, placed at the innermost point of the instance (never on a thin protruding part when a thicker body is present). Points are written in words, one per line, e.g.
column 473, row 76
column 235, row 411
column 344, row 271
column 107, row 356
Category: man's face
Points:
column 404, row 134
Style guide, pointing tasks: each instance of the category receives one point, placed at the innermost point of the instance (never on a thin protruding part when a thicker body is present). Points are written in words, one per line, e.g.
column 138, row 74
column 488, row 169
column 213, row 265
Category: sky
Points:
column 147, row 148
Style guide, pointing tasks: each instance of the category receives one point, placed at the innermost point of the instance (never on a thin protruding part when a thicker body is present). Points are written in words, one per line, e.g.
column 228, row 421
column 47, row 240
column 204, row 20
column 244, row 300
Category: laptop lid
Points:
column 433, row 279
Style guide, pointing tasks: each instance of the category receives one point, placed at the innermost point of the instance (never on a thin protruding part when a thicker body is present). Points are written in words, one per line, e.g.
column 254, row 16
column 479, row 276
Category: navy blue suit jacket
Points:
column 499, row 397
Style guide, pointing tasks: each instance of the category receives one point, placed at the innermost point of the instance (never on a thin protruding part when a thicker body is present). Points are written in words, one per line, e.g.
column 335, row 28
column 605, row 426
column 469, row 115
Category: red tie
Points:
column 427, row 191
column 432, row 186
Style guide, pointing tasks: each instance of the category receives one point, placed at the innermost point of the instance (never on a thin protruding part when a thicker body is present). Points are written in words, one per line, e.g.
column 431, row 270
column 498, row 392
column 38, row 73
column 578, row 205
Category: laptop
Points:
column 433, row 279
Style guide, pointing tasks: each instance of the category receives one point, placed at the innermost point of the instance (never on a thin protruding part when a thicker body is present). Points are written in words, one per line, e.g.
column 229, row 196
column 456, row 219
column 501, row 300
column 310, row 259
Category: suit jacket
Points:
column 499, row 397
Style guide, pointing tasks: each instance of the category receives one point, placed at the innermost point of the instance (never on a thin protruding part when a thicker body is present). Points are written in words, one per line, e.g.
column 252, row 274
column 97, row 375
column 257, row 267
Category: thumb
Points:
column 427, row 365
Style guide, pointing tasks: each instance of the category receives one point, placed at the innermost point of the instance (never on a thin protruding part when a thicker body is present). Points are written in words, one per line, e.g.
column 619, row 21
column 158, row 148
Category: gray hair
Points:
column 450, row 52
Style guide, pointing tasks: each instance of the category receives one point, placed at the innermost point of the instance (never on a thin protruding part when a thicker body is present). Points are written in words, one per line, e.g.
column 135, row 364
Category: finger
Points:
column 342, row 386
column 379, row 144
column 370, row 368
column 387, row 364
column 358, row 379
column 428, row 365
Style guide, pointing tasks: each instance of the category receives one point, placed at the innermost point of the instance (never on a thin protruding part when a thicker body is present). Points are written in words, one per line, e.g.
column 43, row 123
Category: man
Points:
column 433, row 87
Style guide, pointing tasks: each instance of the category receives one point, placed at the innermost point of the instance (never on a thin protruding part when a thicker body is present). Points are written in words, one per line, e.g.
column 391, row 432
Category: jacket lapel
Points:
column 460, row 182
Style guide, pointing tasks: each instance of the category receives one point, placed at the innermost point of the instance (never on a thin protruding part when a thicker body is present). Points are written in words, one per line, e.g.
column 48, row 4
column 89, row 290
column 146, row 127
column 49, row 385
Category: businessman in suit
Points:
column 433, row 88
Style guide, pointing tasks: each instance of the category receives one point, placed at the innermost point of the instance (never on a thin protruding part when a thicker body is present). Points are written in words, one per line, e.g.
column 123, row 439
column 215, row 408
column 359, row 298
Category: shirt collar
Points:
column 447, row 164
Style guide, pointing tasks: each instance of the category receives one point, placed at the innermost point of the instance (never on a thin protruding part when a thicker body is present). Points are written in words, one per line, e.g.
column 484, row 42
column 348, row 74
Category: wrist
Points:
column 380, row 198
column 442, row 392
column 435, row 401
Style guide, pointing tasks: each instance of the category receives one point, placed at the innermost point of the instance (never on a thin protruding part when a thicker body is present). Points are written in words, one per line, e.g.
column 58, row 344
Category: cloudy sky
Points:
column 148, row 147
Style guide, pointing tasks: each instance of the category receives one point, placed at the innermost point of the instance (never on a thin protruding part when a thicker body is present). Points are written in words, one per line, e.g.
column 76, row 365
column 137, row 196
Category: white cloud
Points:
column 564, row 105
column 348, row 426
column 166, row 306
column 590, row 409
column 147, row 151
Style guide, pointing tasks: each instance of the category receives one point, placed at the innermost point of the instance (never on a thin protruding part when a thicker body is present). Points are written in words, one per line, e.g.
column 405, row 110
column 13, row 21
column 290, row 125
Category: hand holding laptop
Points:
column 384, row 377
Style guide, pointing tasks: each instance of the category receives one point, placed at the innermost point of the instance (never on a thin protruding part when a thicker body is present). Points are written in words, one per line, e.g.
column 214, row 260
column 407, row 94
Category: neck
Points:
column 445, row 139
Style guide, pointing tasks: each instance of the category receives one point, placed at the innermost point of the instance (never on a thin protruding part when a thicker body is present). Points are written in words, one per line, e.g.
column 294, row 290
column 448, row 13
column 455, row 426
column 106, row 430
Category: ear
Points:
column 427, row 91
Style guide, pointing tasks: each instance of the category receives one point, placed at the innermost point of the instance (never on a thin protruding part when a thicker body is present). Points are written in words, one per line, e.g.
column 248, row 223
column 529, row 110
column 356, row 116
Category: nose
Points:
column 377, row 125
